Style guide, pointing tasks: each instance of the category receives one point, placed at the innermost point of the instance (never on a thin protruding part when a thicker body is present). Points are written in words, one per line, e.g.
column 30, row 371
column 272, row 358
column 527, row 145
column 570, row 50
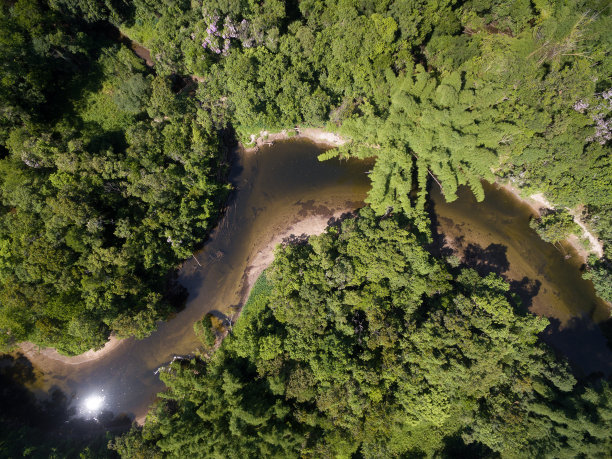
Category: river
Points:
column 282, row 190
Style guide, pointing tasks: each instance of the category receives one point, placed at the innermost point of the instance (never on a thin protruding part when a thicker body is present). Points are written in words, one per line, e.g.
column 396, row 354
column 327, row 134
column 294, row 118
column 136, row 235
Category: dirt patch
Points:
column 318, row 136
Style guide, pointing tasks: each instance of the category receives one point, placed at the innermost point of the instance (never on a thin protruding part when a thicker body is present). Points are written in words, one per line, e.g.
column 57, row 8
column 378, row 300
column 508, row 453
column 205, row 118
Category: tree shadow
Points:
column 18, row 367
column 526, row 289
column 310, row 207
column 606, row 329
column 487, row 260
column 492, row 259
column 101, row 140
column 225, row 320
column 583, row 343
column 294, row 239
column 438, row 246
column 455, row 447
column 174, row 292
column 336, row 222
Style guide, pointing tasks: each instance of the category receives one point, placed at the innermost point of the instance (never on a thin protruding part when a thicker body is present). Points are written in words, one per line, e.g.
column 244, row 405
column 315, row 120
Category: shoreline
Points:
column 317, row 135
column 538, row 201
column 38, row 355
column 313, row 225
column 262, row 258
column 310, row 226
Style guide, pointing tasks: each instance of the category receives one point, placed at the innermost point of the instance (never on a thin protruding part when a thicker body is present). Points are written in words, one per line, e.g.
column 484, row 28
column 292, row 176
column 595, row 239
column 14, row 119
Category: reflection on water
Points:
column 92, row 405
column 53, row 426
column 275, row 190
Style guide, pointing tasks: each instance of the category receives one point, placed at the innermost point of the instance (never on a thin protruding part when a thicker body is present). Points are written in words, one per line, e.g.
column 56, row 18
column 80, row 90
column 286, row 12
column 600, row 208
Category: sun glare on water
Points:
column 93, row 403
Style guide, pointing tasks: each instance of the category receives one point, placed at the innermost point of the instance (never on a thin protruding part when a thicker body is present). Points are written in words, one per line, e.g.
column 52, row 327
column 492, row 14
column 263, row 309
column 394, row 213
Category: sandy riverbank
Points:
column 538, row 201
column 39, row 355
column 310, row 226
column 317, row 135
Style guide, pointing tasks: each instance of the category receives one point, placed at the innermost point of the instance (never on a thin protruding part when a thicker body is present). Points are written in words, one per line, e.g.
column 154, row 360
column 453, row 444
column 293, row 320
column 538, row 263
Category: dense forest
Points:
column 116, row 174
column 359, row 342
column 108, row 180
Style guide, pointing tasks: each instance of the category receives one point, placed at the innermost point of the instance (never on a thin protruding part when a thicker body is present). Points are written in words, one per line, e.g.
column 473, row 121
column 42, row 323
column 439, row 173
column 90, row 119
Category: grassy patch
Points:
column 260, row 292
column 99, row 107
column 141, row 32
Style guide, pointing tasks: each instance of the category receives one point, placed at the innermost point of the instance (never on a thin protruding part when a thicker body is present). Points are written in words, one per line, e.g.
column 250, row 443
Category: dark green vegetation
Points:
column 107, row 180
column 362, row 343
column 114, row 176
column 205, row 332
column 457, row 91
column 555, row 226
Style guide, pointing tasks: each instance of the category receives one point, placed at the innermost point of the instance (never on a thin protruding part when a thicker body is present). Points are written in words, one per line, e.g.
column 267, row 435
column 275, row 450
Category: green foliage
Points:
column 555, row 226
column 358, row 342
column 93, row 10
column 442, row 128
column 500, row 89
column 259, row 292
column 599, row 271
column 205, row 332
column 101, row 197
column 362, row 343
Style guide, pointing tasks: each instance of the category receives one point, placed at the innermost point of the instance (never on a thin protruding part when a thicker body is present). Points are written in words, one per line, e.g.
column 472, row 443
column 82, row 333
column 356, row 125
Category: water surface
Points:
column 284, row 184
column 494, row 236
column 274, row 189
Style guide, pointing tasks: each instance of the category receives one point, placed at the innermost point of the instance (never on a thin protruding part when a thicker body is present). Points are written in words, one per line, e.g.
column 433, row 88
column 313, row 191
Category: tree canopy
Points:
column 358, row 342
column 108, row 180
column 363, row 344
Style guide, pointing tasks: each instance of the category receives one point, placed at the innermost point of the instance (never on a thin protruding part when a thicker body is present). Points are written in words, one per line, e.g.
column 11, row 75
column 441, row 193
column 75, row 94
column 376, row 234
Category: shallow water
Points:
column 285, row 184
column 274, row 189
column 494, row 236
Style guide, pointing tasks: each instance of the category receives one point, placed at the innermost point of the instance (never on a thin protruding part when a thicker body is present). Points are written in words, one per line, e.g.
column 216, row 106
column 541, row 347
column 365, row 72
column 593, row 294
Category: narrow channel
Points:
column 282, row 190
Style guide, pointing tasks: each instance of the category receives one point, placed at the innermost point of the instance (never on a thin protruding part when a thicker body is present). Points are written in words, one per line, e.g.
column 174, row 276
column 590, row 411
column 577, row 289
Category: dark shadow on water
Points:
column 174, row 292
column 225, row 320
column 18, row 368
column 310, row 207
column 484, row 260
column 492, row 259
column 606, row 329
column 583, row 343
column 526, row 289
column 438, row 247
column 47, row 421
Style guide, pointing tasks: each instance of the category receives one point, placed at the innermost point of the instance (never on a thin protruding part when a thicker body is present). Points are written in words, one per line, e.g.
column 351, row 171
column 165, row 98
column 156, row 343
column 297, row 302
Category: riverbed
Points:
column 283, row 191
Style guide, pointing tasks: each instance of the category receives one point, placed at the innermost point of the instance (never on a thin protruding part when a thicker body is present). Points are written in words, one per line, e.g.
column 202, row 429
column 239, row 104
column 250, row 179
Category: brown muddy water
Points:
column 494, row 236
column 277, row 190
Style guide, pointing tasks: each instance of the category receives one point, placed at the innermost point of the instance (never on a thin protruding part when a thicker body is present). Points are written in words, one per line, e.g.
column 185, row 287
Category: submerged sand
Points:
column 34, row 352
